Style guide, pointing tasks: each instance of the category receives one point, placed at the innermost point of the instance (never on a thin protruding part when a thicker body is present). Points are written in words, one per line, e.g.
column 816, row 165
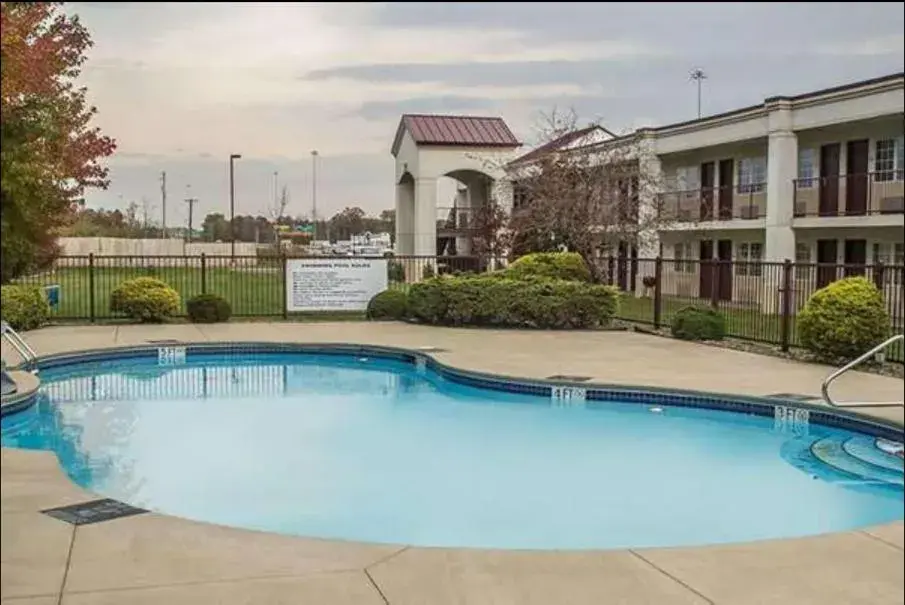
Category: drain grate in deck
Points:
column 164, row 341
column 94, row 511
column 569, row 378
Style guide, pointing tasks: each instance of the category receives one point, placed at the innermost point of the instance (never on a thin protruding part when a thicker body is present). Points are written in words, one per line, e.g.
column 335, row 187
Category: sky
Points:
column 181, row 86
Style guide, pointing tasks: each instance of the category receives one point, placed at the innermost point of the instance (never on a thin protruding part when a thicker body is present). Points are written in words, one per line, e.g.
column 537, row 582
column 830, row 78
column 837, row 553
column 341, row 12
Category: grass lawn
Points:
column 252, row 291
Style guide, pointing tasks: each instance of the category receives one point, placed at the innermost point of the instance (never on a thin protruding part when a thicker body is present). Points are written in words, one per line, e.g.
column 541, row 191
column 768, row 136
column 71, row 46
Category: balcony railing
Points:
column 736, row 202
column 455, row 219
column 881, row 192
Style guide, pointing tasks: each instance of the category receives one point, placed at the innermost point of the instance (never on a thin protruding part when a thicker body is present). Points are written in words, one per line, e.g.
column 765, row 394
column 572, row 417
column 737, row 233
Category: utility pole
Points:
column 314, row 191
column 191, row 201
column 697, row 75
column 163, row 200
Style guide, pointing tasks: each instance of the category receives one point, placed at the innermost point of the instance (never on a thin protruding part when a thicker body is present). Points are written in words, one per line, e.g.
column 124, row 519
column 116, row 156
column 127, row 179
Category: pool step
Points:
column 865, row 448
column 831, row 451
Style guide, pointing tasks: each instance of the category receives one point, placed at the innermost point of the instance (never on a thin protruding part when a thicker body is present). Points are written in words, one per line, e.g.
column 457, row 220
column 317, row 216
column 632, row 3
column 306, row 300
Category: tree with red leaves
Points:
column 49, row 152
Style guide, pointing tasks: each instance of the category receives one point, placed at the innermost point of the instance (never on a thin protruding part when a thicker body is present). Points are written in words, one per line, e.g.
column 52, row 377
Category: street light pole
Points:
column 314, row 191
column 232, row 205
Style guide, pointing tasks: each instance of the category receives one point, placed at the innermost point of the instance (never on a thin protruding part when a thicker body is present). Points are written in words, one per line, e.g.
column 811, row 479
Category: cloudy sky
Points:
column 183, row 85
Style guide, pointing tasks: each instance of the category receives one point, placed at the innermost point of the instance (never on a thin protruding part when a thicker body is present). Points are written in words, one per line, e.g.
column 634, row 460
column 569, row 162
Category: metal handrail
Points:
column 26, row 352
column 825, row 387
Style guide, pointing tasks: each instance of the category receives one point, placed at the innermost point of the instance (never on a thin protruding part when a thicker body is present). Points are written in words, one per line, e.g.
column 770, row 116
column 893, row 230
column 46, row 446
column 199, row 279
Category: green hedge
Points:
column 698, row 323
column 145, row 299
column 504, row 302
column 843, row 320
column 389, row 304
column 569, row 266
column 24, row 307
column 208, row 309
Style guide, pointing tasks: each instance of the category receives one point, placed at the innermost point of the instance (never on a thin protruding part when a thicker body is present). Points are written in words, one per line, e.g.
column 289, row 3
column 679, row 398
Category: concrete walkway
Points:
column 150, row 559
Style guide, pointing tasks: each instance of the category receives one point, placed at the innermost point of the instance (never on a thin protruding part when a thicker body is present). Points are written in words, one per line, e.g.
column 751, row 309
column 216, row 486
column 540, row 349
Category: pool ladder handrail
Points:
column 825, row 387
column 26, row 352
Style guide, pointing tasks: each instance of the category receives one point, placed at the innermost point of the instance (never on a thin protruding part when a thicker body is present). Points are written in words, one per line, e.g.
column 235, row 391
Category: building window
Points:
column 889, row 159
column 749, row 259
column 802, row 261
column 889, row 253
column 807, row 168
column 683, row 259
column 687, row 178
column 752, row 175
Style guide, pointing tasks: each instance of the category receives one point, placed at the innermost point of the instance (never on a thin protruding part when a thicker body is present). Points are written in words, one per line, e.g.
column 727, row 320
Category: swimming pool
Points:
column 387, row 446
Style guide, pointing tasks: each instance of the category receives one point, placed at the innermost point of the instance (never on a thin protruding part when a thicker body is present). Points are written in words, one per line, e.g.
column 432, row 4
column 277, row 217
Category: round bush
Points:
column 389, row 304
column 24, row 307
column 568, row 266
column 843, row 320
column 145, row 299
column 698, row 323
column 208, row 309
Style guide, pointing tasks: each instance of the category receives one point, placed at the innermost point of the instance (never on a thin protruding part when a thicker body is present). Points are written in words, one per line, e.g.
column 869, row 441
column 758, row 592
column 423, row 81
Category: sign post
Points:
column 333, row 284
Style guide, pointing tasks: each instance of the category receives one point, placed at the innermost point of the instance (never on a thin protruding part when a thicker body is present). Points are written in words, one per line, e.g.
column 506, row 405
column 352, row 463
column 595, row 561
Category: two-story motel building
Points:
column 813, row 178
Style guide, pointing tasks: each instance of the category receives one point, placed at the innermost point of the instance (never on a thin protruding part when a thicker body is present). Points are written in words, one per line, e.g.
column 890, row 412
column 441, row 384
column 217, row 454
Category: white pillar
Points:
column 782, row 169
column 426, row 217
column 650, row 183
column 405, row 218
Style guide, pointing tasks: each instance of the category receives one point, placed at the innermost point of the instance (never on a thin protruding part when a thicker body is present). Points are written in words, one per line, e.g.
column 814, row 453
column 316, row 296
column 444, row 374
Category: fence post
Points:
column 878, row 275
column 610, row 270
column 283, row 266
column 203, row 273
column 91, row 314
column 785, row 292
column 658, row 291
column 714, row 283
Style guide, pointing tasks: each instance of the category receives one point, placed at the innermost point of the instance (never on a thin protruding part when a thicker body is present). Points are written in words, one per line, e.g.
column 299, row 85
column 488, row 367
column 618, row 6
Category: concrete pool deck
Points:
column 150, row 559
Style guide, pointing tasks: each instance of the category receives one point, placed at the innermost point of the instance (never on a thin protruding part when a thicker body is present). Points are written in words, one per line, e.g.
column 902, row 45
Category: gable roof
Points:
column 463, row 131
column 562, row 142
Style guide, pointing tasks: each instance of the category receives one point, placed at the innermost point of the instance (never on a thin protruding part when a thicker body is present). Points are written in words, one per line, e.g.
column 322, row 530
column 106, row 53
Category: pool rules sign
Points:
column 333, row 284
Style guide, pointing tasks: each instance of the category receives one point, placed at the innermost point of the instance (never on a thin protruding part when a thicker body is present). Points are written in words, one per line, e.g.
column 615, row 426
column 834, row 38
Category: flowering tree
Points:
column 50, row 151
column 584, row 196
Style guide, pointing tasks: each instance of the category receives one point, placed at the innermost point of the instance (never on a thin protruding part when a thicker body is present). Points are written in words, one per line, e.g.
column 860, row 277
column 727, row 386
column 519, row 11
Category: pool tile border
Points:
column 681, row 398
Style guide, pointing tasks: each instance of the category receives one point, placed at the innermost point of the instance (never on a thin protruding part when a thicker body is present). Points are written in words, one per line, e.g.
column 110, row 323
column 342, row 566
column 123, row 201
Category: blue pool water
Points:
column 371, row 449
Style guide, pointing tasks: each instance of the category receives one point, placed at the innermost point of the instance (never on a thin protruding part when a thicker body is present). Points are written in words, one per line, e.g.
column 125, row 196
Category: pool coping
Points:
column 781, row 409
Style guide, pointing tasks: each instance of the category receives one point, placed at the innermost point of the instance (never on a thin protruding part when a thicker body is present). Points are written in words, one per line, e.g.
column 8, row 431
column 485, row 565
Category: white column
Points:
column 405, row 218
column 650, row 183
column 426, row 217
column 782, row 169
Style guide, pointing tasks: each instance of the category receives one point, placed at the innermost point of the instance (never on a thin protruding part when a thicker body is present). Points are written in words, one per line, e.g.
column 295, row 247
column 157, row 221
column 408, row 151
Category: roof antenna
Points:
column 697, row 75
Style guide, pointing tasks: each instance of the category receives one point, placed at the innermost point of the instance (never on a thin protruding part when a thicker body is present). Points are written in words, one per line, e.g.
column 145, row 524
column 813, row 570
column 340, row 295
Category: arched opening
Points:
column 405, row 215
column 469, row 191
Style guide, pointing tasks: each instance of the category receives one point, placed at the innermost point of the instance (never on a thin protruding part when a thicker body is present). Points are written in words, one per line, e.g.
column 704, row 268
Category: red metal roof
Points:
column 468, row 131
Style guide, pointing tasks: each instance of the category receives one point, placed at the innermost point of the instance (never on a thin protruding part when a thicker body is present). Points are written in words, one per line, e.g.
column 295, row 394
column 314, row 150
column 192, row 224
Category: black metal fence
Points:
column 760, row 301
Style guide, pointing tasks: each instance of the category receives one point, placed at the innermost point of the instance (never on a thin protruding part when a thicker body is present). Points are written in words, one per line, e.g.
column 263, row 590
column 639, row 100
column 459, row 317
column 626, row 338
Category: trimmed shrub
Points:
column 501, row 302
column 843, row 320
column 145, row 299
column 24, row 307
column 698, row 323
column 568, row 266
column 428, row 271
column 208, row 309
column 395, row 271
column 389, row 304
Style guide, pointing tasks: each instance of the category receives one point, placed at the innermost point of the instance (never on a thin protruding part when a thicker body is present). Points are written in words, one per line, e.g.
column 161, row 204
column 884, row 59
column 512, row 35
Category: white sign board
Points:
column 333, row 284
